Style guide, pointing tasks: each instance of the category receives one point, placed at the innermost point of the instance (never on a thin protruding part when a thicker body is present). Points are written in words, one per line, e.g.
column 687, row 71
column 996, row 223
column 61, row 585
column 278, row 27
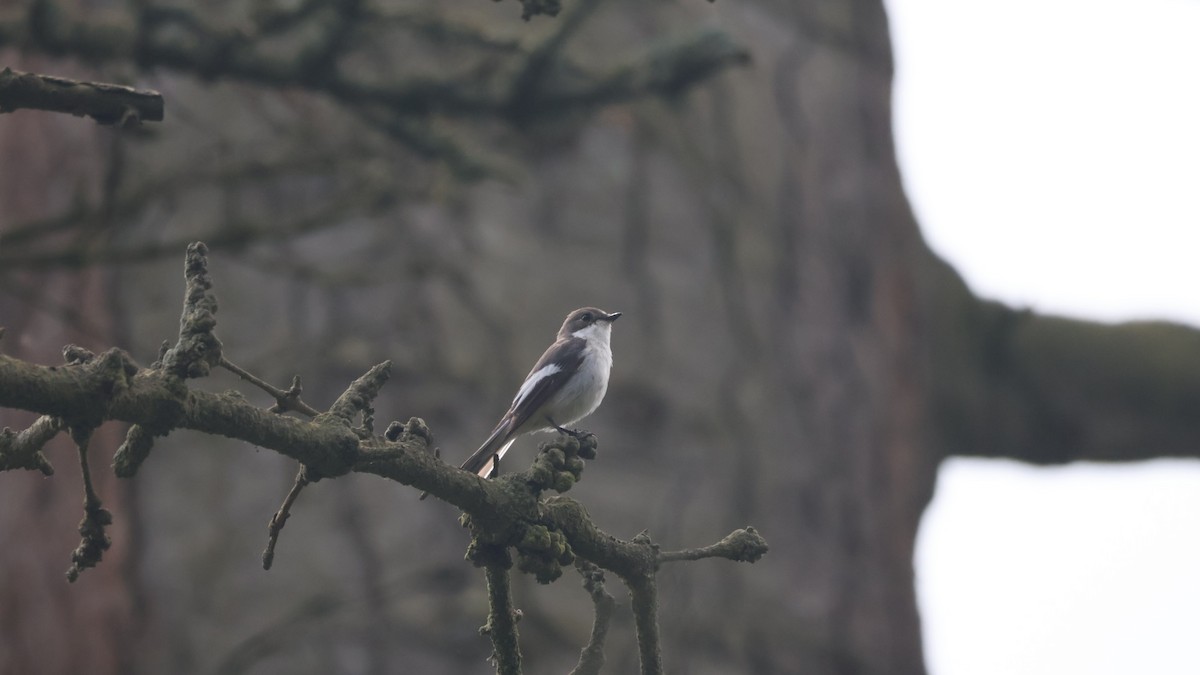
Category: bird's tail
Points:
column 487, row 457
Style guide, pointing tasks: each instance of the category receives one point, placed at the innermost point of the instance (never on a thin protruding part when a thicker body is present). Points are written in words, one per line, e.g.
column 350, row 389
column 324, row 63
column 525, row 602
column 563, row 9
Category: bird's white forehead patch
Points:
column 531, row 382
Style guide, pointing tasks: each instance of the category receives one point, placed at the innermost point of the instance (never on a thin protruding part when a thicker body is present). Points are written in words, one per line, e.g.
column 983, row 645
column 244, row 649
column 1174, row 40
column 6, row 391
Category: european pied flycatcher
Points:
column 565, row 386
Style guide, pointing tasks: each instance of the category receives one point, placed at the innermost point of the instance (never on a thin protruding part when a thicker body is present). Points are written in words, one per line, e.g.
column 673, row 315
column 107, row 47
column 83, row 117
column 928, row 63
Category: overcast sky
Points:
column 1051, row 150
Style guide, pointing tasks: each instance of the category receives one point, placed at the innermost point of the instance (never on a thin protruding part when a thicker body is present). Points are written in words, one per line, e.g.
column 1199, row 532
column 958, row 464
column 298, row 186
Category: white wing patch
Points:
column 531, row 382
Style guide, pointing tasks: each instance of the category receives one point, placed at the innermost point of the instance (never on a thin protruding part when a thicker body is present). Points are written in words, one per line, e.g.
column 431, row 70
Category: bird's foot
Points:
column 577, row 434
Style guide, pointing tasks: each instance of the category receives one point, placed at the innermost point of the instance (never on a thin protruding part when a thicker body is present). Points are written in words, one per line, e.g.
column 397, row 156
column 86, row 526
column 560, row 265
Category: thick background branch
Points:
column 1048, row 390
column 152, row 39
column 105, row 103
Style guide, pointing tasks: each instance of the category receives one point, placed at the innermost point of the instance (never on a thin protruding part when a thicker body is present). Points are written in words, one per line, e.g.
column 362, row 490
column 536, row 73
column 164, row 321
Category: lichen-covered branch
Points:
column 591, row 657
column 1009, row 383
column 643, row 594
column 506, row 513
column 198, row 350
column 357, row 398
column 23, row 450
column 94, row 541
column 744, row 545
column 501, row 624
column 105, row 103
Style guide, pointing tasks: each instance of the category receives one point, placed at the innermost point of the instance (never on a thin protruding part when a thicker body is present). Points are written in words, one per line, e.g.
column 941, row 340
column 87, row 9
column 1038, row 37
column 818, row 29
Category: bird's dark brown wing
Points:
column 557, row 365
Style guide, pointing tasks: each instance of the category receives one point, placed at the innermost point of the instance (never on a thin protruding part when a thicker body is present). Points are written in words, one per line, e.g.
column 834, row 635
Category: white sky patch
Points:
column 1083, row 569
column 1051, row 150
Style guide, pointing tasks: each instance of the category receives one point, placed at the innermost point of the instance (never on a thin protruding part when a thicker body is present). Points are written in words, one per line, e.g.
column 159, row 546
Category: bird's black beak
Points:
column 612, row 317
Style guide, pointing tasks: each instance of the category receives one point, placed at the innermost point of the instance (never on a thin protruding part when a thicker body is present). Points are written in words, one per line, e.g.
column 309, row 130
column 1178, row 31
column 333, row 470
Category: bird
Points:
column 566, row 385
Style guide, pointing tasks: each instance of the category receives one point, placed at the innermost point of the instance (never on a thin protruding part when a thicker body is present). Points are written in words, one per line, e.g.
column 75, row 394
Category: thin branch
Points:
column 280, row 518
column 94, row 541
column 284, row 400
column 744, row 545
column 643, row 593
column 591, row 657
column 105, row 103
column 501, row 624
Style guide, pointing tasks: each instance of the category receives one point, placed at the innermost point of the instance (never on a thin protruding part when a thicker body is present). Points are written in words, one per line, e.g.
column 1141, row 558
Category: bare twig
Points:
column 284, row 400
column 94, row 541
column 105, row 103
column 280, row 518
column 744, row 545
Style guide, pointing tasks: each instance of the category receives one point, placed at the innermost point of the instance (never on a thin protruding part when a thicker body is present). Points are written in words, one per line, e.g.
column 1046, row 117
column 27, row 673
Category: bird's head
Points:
column 588, row 322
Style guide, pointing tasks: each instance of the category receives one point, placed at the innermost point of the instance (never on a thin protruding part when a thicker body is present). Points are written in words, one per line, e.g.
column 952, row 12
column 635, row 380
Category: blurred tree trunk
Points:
column 48, row 626
column 792, row 357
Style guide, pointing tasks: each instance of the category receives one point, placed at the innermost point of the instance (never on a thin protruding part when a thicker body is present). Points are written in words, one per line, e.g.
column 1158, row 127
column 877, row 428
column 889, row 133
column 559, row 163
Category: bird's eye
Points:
column 586, row 317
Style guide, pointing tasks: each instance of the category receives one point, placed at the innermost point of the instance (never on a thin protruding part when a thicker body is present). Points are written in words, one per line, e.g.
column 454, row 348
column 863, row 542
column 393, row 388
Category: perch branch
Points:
column 504, row 513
